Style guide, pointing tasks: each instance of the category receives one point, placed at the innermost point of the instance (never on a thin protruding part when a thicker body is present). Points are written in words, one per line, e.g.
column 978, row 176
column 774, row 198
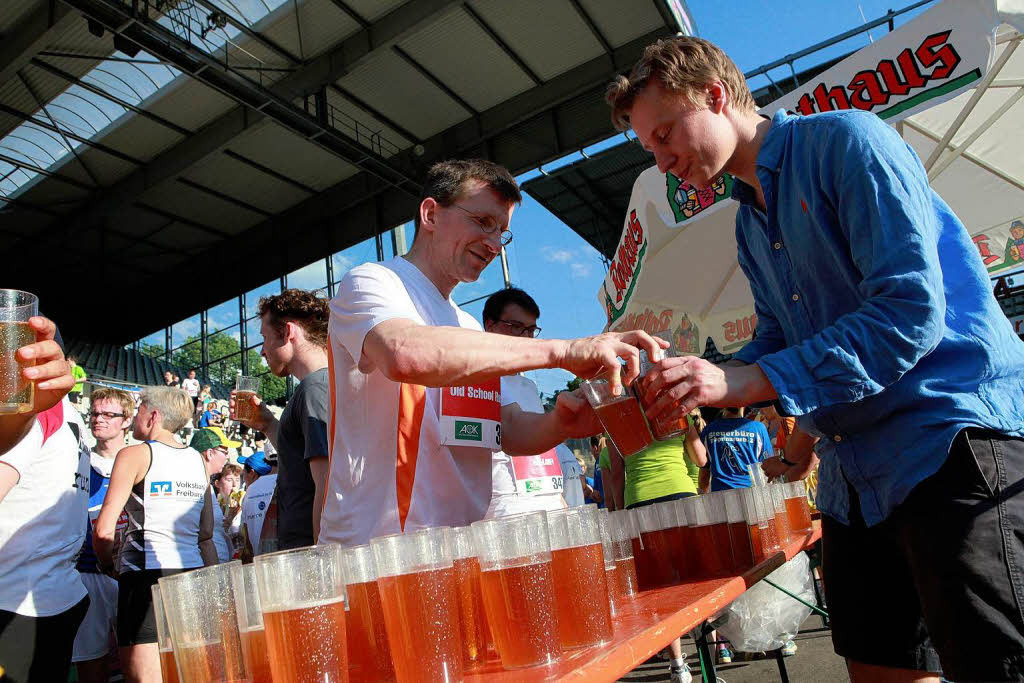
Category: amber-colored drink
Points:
column 624, row 421
column 307, row 643
column 626, row 571
column 369, row 657
column 615, row 595
column 742, row 546
column 472, row 619
column 206, row 662
column 257, row 658
column 770, row 538
column 712, row 550
column 757, row 542
column 583, row 619
column 654, row 566
column 781, row 528
column 15, row 391
column 168, row 667
column 421, row 611
column 244, row 410
column 682, row 552
column 520, row 604
column 799, row 514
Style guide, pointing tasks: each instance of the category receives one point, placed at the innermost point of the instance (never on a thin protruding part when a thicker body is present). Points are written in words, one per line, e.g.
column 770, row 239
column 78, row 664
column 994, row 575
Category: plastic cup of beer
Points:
column 168, row 667
column 518, row 588
column 476, row 634
column 302, row 595
column 16, row 307
column 610, row 569
column 711, row 542
column 681, row 551
column 620, row 528
column 797, row 509
column 778, row 530
column 369, row 654
column 662, row 428
column 739, row 533
column 246, row 389
column 621, row 416
column 577, row 563
column 759, row 524
column 416, row 577
column 776, row 494
column 655, row 550
column 250, row 627
column 200, row 606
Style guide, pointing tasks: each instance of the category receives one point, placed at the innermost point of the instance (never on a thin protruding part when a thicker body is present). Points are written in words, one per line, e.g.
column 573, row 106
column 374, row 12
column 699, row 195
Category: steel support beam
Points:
column 33, row 35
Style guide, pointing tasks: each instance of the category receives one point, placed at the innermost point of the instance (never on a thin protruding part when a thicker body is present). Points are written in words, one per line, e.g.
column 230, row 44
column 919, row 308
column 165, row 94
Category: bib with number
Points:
column 471, row 415
column 537, row 473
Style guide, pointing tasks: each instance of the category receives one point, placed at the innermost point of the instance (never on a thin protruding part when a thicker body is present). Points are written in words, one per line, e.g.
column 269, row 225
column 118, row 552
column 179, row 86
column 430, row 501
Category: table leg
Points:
column 705, row 653
column 781, row 661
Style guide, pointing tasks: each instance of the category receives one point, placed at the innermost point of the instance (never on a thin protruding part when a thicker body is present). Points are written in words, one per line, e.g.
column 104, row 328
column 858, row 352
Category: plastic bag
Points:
column 764, row 617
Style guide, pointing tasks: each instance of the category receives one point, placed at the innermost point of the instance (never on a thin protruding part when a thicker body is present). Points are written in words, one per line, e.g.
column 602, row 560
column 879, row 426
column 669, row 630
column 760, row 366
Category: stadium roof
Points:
column 180, row 152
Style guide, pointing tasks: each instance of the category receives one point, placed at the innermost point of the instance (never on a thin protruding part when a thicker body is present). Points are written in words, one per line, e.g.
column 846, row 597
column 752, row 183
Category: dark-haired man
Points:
column 416, row 381
column 294, row 329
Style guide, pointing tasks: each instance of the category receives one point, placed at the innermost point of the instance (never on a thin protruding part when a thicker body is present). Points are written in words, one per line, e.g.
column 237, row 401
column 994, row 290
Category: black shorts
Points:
column 38, row 649
column 939, row 585
column 136, row 622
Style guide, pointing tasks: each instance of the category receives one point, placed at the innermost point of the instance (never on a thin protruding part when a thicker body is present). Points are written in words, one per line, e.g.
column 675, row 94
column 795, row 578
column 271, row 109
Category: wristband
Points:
column 788, row 463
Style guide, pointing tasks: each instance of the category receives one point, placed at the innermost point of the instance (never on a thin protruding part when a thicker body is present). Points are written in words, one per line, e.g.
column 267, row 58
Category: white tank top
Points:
column 164, row 510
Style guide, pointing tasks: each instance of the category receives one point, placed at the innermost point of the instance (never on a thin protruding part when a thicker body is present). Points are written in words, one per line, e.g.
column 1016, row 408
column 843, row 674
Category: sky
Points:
column 561, row 271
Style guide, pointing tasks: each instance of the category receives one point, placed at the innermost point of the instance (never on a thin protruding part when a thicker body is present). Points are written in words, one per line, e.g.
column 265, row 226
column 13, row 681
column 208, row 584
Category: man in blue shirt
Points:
column 734, row 443
column 878, row 330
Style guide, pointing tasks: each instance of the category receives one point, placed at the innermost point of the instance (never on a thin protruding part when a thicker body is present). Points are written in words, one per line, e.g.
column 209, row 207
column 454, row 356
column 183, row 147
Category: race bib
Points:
column 471, row 415
column 537, row 473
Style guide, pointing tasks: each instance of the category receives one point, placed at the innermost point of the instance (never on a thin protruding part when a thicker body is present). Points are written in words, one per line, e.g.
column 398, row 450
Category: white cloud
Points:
column 556, row 255
column 579, row 270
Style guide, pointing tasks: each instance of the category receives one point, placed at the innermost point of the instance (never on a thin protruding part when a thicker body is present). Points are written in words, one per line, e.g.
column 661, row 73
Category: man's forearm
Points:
column 270, row 429
column 525, row 433
column 449, row 356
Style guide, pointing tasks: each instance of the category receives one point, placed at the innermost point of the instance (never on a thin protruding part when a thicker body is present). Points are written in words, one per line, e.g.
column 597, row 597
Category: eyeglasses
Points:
column 488, row 225
column 97, row 414
column 520, row 329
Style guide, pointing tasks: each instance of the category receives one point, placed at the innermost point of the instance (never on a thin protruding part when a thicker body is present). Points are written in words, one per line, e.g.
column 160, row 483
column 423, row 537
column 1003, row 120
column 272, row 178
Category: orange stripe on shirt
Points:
column 412, row 399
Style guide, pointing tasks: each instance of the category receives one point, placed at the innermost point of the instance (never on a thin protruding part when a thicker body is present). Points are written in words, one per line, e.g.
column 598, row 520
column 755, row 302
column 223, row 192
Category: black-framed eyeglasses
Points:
column 96, row 414
column 520, row 329
column 488, row 225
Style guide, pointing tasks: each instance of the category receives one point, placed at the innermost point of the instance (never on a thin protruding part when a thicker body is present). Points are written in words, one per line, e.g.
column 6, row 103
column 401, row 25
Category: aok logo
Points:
column 161, row 489
column 468, row 431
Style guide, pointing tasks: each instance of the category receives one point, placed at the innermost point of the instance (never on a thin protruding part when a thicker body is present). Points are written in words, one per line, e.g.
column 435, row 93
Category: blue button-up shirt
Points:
column 876, row 322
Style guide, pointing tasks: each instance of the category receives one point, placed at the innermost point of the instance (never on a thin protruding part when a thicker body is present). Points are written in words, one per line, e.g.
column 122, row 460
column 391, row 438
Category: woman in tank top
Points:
column 163, row 489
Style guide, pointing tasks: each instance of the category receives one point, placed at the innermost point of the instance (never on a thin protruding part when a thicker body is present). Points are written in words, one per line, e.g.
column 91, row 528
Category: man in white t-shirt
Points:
column 260, row 476
column 44, row 500
column 191, row 387
column 401, row 352
column 523, row 483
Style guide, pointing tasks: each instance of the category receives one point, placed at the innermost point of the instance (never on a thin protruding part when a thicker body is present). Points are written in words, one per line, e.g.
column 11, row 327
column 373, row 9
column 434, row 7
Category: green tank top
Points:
column 658, row 470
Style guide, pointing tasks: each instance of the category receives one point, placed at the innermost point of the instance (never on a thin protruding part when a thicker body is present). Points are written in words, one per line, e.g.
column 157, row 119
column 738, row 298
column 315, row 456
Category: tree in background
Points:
column 225, row 356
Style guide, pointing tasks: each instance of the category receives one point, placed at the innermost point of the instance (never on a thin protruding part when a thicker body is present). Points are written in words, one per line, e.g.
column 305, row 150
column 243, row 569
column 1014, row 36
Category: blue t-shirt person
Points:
column 733, row 444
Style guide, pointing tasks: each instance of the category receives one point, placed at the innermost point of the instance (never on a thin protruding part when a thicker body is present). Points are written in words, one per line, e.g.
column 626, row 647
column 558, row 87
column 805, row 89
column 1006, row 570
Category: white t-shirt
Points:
column 43, row 518
column 254, row 507
column 504, row 499
column 572, row 488
column 191, row 387
column 387, row 461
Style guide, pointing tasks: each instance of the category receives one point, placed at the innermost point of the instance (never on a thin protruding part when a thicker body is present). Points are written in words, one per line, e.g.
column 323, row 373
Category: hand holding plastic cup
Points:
column 16, row 307
column 621, row 416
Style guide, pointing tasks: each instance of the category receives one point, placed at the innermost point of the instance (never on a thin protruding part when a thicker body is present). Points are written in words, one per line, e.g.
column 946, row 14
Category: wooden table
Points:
column 641, row 629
